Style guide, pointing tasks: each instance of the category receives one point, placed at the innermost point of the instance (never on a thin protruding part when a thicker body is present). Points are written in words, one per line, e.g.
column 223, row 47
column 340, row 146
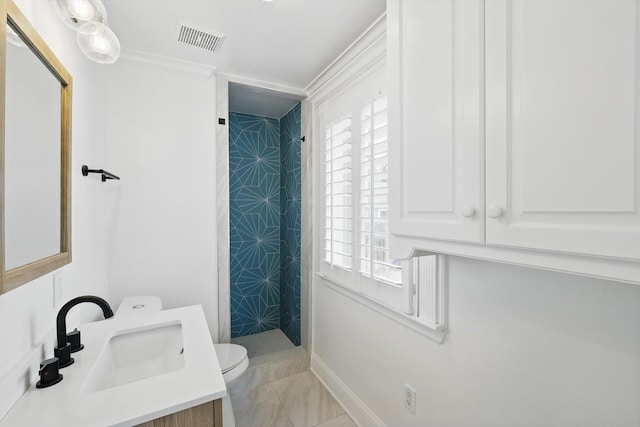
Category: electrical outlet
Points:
column 409, row 398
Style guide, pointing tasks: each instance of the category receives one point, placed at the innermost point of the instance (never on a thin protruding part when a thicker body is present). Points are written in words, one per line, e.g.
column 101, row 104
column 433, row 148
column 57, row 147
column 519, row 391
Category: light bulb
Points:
column 75, row 13
column 98, row 43
column 81, row 9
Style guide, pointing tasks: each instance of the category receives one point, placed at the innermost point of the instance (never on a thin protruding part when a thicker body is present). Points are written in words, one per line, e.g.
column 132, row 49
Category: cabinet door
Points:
column 563, row 125
column 435, row 119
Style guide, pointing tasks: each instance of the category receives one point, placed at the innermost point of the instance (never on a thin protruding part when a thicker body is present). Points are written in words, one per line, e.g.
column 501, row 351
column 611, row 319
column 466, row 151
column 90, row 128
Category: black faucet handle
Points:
column 49, row 373
column 64, row 354
column 73, row 338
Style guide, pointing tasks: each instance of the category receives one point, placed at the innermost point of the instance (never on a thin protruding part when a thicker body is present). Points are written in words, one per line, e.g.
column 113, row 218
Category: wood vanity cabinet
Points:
column 514, row 132
column 206, row 415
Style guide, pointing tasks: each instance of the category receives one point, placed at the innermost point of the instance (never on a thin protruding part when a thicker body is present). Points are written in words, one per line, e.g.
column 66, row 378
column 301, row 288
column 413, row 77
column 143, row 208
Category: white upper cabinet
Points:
column 515, row 132
column 435, row 116
column 562, row 126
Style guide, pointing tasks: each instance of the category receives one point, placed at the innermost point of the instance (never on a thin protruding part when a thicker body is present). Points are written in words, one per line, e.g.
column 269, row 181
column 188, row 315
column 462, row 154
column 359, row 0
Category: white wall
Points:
column 27, row 315
column 162, row 230
column 159, row 221
column 526, row 347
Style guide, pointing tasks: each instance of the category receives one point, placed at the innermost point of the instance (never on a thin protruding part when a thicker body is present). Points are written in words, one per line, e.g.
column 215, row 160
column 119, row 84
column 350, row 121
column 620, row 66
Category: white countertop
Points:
column 69, row 404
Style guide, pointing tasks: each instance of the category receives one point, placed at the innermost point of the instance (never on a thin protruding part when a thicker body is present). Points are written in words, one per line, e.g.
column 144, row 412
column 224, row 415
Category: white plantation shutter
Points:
column 338, row 206
column 374, row 194
column 356, row 203
column 354, row 168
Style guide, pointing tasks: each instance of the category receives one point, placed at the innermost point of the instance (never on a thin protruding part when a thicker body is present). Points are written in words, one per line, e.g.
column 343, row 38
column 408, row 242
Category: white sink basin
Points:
column 133, row 355
column 133, row 369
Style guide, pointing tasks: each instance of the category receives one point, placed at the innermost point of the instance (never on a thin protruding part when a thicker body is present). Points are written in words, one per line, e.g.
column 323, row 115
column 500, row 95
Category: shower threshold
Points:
column 264, row 343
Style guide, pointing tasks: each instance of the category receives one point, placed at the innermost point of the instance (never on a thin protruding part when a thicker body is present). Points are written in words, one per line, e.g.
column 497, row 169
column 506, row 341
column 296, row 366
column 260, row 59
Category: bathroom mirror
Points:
column 35, row 133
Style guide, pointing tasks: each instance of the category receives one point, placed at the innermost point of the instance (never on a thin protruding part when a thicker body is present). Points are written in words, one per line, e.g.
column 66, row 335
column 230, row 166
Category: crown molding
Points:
column 369, row 47
column 149, row 61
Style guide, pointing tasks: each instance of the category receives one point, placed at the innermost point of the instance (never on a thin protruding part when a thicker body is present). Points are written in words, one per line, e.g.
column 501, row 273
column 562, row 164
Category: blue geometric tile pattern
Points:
column 254, row 205
column 290, row 192
column 264, row 203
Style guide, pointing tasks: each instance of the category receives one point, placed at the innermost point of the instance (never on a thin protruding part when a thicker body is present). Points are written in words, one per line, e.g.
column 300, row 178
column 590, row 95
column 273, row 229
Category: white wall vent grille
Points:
column 198, row 36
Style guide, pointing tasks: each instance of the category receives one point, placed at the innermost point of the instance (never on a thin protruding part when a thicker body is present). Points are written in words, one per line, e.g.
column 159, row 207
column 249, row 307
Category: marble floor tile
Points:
column 269, row 413
column 253, row 396
column 341, row 421
column 278, row 355
column 305, row 400
column 271, row 371
column 264, row 342
column 287, row 367
column 252, row 377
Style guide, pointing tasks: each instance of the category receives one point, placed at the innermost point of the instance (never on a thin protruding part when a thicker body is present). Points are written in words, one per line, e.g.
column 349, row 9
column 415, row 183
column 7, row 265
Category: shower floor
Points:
column 264, row 343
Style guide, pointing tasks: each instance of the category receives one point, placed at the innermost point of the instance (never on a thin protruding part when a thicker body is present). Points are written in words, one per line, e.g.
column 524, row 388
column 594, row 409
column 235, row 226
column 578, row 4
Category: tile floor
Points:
column 264, row 343
column 281, row 395
column 296, row 401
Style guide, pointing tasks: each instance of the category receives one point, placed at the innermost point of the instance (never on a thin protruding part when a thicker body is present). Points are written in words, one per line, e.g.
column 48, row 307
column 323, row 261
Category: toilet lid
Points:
column 230, row 355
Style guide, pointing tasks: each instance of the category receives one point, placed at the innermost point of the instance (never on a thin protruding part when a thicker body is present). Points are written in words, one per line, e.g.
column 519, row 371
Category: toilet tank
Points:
column 138, row 305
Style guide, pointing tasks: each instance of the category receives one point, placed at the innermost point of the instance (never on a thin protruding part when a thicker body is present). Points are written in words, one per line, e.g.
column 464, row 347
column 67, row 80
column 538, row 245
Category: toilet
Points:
column 233, row 362
column 233, row 358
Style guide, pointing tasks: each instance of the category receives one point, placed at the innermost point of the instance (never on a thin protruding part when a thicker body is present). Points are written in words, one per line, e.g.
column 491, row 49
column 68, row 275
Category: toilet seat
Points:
column 230, row 356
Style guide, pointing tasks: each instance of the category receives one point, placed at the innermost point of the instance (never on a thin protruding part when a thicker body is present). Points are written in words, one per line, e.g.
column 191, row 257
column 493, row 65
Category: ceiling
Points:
column 282, row 42
column 259, row 101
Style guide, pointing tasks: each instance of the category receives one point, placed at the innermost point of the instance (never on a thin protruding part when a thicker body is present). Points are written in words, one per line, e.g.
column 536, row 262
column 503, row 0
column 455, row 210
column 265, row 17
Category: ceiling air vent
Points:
column 198, row 36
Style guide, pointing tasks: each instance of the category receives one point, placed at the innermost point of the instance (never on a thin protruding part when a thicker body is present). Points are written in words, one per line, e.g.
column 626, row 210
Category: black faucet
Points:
column 70, row 343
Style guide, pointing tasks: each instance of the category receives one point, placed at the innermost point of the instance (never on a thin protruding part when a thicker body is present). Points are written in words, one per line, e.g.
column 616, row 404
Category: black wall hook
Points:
column 105, row 175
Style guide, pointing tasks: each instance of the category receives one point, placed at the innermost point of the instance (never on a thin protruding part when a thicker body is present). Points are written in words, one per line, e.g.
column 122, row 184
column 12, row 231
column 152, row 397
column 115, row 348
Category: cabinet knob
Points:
column 468, row 211
column 494, row 211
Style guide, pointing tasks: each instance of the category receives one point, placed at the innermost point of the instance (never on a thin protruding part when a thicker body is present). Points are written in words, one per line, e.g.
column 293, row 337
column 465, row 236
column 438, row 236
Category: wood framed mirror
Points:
column 35, row 152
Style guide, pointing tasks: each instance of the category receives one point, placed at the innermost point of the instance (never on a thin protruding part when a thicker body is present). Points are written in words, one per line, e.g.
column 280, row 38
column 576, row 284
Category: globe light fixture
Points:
column 75, row 13
column 89, row 19
column 98, row 43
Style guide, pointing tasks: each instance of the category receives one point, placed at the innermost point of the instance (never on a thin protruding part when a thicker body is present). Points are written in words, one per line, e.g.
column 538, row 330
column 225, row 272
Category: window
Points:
column 373, row 192
column 353, row 145
column 338, row 192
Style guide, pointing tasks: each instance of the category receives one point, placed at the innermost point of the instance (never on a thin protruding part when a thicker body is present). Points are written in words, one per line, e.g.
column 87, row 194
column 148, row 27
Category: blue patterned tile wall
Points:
column 290, row 192
column 254, row 209
column 264, row 203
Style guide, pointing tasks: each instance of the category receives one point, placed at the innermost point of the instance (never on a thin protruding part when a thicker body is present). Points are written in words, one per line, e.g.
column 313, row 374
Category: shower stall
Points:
column 264, row 199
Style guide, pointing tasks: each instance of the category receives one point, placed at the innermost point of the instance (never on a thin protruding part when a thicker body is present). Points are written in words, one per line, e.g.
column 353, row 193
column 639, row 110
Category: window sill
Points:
column 436, row 335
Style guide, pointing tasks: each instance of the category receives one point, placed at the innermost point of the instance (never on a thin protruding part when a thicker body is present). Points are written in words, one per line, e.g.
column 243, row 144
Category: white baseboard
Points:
column 356, row 409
